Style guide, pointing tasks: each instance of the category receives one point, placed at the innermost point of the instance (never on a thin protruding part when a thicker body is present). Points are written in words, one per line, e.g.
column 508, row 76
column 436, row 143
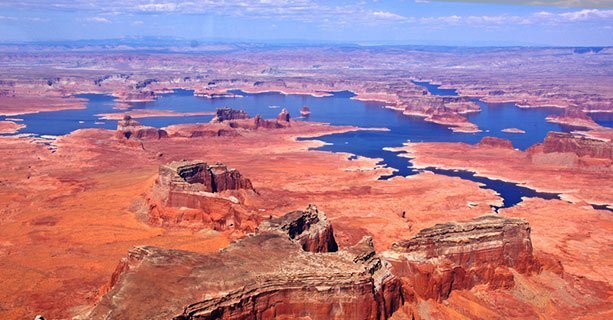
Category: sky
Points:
column 368, row 22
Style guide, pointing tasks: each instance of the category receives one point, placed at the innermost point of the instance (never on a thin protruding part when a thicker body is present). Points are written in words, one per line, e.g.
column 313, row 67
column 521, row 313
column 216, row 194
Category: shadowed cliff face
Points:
column 291, row 268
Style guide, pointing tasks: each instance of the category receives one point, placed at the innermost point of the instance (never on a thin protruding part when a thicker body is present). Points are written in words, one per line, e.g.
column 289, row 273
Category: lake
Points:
column 337, row 109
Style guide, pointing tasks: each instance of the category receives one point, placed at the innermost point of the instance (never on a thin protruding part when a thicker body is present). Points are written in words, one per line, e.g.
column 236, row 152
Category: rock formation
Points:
column 310, row 228
column 581, row 146
column 456, row 256
column 193, row 193
column 291, row 267
column 305, row 111
column 225, row 114
column 129, row 128
column 263, row 276
column 496, row 142
column 284, row 115
column 573, row 150
column 197, row 176
column 575, row 117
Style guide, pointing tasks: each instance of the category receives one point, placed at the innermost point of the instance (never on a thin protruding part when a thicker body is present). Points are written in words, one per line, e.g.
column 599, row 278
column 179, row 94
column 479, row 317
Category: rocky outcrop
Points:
column 579, row 145
column 263, row 276
column 573, row 150
column 136, row 96
column 573, row 116
column 193, row 193
column 496, row 142
column 128, row 128
column 225, row 114
column 198, row 176
column 310, row 228
column 292, row 268
column 455, row 256
column 305, row 111
column 284, row 116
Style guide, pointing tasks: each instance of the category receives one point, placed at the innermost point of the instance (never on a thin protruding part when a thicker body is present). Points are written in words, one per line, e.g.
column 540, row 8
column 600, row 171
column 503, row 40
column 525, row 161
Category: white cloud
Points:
column 548, row 3
column 98, row 19
column 386, row 15
column 158, row 7
column 542, row 17
column 325, row 13
column 586, row 14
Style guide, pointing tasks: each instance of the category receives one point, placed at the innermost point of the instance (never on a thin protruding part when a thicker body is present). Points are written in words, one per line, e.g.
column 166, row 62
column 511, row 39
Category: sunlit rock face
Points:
column 496, row 142
column 573, row 150
column 128, row 128
column 455, row 256
column 282, row 271
column 291, row 267
column 194, row 193
column 310, row 228
column 581, row 146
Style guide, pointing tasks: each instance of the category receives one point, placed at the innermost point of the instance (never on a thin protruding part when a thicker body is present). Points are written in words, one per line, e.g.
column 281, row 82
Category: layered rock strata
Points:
column 225, row 114
column 310, row 228
column 496, row 142
column 263, row 276
column 575, row 117
column 194, row 193
column 455, row 256
column 572, row 150
column 581, row 146
column 128, row 128
column 291, row 268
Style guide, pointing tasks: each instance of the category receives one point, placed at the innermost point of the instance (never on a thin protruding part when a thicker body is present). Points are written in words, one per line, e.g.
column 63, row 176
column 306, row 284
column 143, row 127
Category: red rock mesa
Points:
column 193, row 193
column 263, row 276
column 291, row 267
column 129, row 128
column 455, row 256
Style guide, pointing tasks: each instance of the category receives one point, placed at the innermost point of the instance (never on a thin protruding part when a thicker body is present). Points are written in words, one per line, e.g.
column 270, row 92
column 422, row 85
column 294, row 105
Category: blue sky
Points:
column 477, row 22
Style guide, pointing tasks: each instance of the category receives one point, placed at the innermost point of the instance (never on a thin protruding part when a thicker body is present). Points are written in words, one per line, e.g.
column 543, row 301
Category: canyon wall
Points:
column 262, row 276
column 573, row 150
column 129, row 128
column 291, row 268
column 456, row 256
column 196, row 194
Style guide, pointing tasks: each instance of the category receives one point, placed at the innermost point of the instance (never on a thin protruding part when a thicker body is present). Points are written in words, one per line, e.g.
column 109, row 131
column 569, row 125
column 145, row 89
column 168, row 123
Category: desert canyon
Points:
column 233, row 212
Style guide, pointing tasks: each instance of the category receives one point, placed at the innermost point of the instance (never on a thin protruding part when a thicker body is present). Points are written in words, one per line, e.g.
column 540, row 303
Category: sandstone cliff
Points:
column 310, row 228
column 284, row 115
column 291, row 267
column 263, row 276
column 573, row 150
column 575, row 117
column 456, row 256
column 225, row 114
column 195, row 194
column 129, row 128
column 227, row 122
column 496, row 142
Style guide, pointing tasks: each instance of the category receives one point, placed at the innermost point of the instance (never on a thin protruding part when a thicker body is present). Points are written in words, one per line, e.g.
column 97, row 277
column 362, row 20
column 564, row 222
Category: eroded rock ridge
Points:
column 291, row 267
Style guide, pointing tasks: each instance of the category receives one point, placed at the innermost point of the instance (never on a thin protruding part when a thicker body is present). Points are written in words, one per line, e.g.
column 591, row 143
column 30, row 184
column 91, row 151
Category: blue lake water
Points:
column 337, row 109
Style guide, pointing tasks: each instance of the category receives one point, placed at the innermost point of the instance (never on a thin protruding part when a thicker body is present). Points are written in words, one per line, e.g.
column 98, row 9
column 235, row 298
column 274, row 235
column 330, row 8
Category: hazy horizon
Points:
column 397, row 22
